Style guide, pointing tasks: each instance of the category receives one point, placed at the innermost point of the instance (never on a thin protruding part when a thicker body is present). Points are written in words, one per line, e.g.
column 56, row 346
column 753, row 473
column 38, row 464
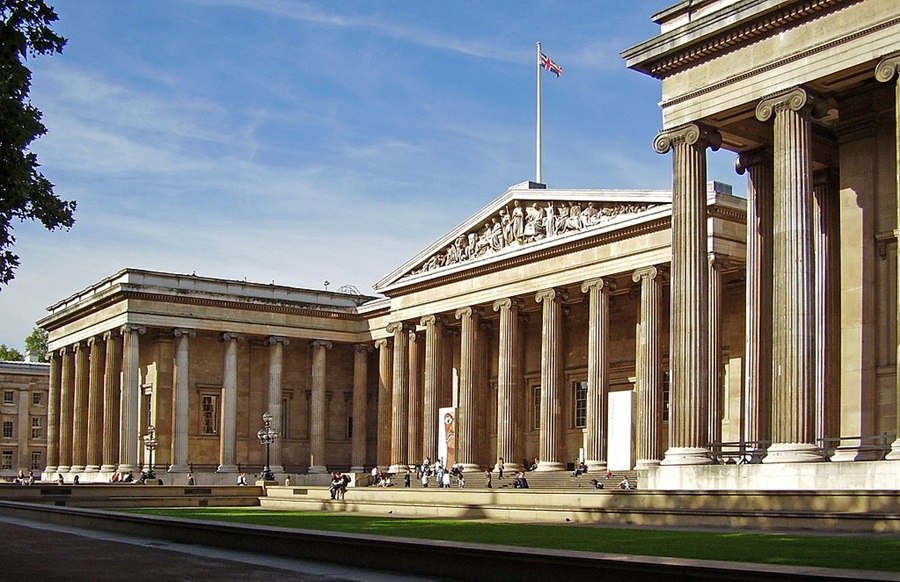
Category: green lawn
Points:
column 832, row 551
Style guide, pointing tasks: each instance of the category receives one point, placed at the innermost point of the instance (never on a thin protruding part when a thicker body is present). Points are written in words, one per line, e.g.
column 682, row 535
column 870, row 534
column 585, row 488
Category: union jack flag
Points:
column 547, row 63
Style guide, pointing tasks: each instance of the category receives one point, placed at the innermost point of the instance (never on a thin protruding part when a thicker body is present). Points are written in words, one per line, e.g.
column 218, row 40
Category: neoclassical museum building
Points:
column 704, row 339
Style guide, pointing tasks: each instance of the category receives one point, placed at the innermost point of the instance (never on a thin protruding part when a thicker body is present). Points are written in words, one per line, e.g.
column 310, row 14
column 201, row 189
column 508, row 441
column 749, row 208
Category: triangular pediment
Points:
column 525, row 218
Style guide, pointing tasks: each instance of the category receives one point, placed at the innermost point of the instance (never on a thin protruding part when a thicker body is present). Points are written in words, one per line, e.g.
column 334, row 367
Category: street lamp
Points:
column 266, row 437
column 150, row 442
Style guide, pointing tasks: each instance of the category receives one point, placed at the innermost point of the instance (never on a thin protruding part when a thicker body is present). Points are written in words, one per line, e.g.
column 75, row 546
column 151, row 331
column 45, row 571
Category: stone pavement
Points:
column 38, row 551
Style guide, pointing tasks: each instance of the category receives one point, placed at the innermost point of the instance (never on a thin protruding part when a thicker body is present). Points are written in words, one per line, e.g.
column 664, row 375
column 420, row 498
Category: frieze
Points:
column 512, row 228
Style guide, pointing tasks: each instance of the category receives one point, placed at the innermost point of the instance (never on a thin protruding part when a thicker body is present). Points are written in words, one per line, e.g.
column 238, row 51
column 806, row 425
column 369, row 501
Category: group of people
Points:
column 339, row 482
column 23, row 479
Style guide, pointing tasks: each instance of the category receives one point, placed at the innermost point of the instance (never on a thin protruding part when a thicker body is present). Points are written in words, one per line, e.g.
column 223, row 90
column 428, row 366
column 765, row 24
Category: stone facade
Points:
column 23, row 417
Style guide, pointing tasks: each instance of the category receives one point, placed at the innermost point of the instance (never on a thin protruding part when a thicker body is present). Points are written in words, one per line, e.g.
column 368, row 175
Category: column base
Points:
column 894, row 455
column 643, row 464
column 107, row 468
column 793, row 453
column 276, row 469
column 76, row 469
column 92, row 469
column 50, row 469
column 63, row 469
column 511, row 468
column 677, row 456
column 596, row 466
column 355, row 469
column 179, row 469
column 227, row 469
column 317, row 469
column 398, row 468
column 127, row 468
column 550, row 466
column 467, row 468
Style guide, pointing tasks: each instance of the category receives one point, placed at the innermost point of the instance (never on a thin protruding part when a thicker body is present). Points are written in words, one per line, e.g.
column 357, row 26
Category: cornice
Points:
column 206, row 302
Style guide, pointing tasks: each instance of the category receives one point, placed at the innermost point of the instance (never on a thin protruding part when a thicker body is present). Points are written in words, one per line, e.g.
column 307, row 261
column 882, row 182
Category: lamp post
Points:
column 266, row 437
column 150, row 442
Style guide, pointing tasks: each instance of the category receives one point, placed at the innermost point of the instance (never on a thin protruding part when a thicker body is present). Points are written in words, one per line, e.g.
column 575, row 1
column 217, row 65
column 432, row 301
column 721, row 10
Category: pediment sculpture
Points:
column 512, row 228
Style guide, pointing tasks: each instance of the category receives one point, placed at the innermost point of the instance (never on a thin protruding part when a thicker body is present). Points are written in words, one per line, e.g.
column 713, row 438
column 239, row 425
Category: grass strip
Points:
column 880, row 553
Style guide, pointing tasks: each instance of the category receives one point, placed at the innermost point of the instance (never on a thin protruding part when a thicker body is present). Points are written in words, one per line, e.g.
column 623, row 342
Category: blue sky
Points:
column 308, row 141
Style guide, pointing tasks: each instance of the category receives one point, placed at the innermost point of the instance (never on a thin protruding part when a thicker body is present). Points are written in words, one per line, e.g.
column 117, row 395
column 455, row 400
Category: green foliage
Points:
column 25, row 194
column 37, row 343
column 10, row 354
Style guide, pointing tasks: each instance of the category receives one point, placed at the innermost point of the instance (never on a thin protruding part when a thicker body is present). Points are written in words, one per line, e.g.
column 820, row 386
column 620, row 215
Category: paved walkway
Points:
column 37, row 551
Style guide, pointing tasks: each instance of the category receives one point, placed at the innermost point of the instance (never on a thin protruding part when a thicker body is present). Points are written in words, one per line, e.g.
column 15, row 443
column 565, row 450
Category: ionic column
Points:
column 80, row 422
column 689, row 288
column 648, row 430
column 793, row 299
column 400, row 398
column 757, row 398
column 360, row 381
column 509, row 373
column 274, row 397
column 551, row 369
column 596, row 431
column 886, row 70
column 95, row 407
column 716, row 371
column 53, row 415
column 318, row 411
column 66, row 408
column 112, row 377
column 180, row 435
column 434, row 347
column 385, row 396
column 130, row 399
column 465, row 417
column 415, row 397
column 228, row 439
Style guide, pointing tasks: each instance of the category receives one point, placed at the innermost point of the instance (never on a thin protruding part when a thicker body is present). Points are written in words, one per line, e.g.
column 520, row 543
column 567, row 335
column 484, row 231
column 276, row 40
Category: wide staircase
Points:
column 565, row 480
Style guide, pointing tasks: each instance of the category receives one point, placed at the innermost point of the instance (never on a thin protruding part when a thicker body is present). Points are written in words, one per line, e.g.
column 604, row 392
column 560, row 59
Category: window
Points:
column 37, row 461
column 665, row 410
column 7, row 460
column 536, row 408
column 580, row 400
column 349, row 428
column 285, row 417
column 37, row 429
column 209, row 414
column 7, row 429
column 37, row 398
column 7, row 397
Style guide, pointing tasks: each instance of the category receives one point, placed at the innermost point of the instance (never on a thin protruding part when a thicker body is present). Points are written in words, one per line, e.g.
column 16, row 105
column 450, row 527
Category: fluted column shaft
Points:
column 757, row 400
column 385, row 396
column 508, row 385
column 434, row 349
column 465, row 417
column 793, row 305
column 360, row 381
column 130, row 399
column 180, row 434
column 648, row 431
column 887, row 70
column 716, row 370
column 274, row 398
column 53, row 414
column 228, row 440
column 414, row 448
column 597, row 430
column 400, row 398
column 689, row 295
column 80, row 422
column 95, row 406
column 317, row 461
column 550, row 435
column 112, row 378
column 66, row 408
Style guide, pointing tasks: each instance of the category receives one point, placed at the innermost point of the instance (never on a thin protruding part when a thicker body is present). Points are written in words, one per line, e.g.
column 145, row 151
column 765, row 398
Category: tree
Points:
column 10, row 354
column 25, row 194
column 36, row 344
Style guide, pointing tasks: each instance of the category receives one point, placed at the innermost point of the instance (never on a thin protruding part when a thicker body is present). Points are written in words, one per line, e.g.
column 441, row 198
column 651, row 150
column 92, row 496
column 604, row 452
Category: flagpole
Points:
column 537, row 162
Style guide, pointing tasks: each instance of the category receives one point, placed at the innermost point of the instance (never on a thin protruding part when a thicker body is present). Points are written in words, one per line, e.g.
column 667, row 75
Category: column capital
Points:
column 79, row 345
column 363, row 348
column 467, row 312
column 793, row 99
column 887, row 68
column 277, row 339
column 112, row 333
column 598, row 284
column 131, row 327
column 381, row 343
column 690, row 134
column 507, row 303
column 751, row 159
column 431, row 320
column 321, row 344
column 550, row 295
column 230, row 336
column 718, row 260
column 180, row 331
column 650, row 273
column 399, row 327
column 94, row 339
